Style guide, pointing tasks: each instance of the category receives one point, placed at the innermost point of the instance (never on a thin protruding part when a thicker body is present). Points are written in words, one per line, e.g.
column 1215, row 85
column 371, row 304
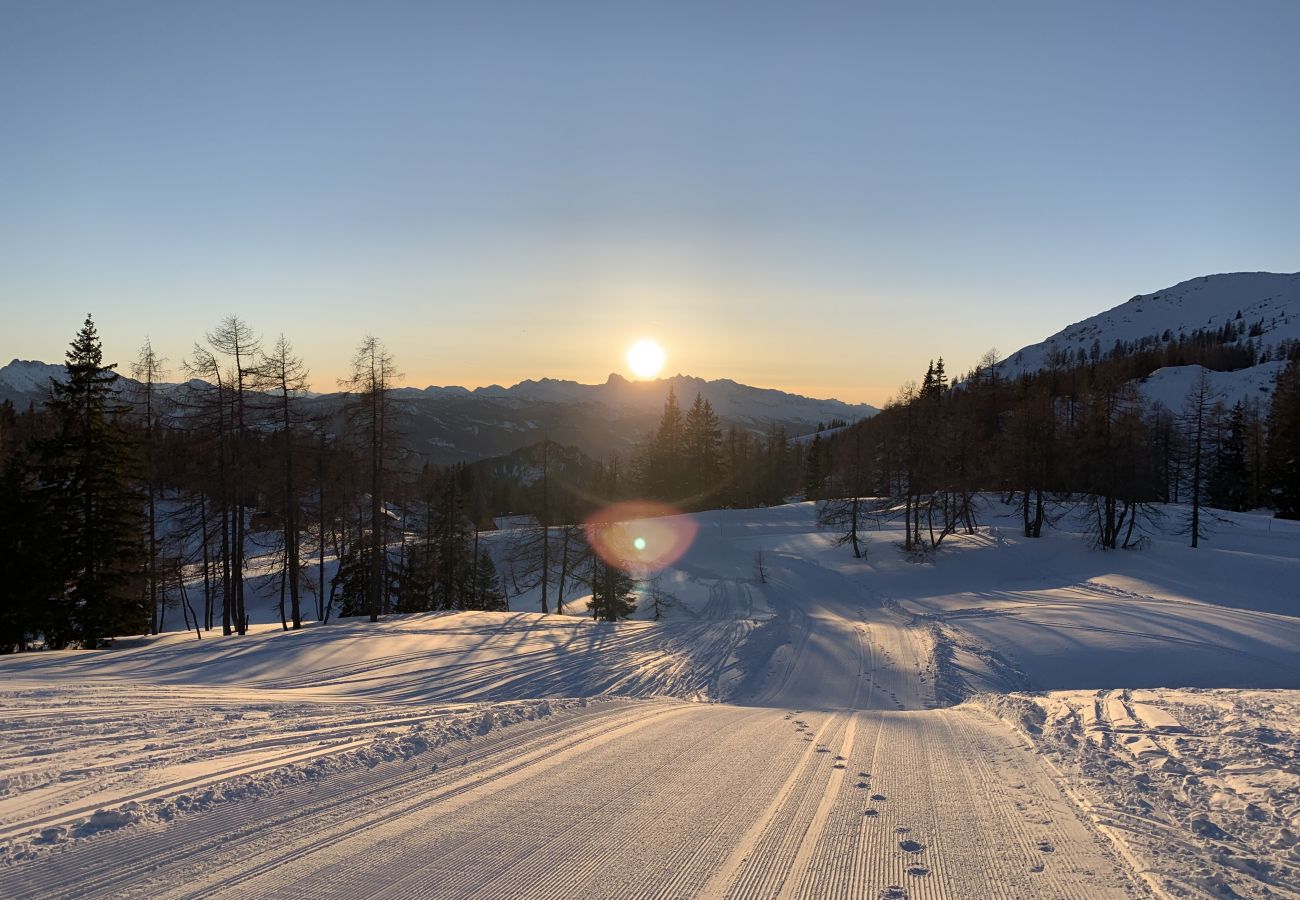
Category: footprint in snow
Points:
column 911, row 846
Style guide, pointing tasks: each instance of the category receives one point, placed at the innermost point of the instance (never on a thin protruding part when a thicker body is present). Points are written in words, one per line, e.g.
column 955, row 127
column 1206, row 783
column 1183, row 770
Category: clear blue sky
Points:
column 818, row 197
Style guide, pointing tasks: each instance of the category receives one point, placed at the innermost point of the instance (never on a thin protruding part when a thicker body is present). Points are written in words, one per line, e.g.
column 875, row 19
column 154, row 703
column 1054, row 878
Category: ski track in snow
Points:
column 411, row 760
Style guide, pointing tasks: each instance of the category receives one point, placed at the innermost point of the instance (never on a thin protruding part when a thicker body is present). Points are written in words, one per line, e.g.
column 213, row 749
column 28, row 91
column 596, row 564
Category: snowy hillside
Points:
column 1264, row 306
column 1271, row 300
column 1171, row 385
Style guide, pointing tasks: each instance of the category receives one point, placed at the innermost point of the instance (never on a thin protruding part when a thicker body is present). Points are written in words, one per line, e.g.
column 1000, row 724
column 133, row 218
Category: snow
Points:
column 1171, row 385
column 1206, row 302
column 1266, row 299
column 1200, row 785
column 845, row 728
column 29, row 377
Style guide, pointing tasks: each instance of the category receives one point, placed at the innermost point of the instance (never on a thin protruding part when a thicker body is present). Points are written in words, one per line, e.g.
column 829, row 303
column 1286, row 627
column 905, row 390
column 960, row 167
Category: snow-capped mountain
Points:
column 25, row 380
column 731, row 400
column 453, row 424
column 1263, row 307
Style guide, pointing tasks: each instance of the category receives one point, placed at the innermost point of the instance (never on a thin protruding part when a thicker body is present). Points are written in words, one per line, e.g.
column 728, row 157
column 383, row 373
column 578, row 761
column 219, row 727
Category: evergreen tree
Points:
column 664, row 466
column 453, row 586
column 487, row 585
column 85, row 478
column 352, row 580
column 611, row 592
column 1283, row 444
column 702, row 434
column 1229, row 483
column 28, row 578
column 814, row 477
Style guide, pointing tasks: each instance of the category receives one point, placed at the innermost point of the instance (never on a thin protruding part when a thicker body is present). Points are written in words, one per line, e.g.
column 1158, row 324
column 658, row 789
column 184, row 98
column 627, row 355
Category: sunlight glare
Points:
column 645, row 358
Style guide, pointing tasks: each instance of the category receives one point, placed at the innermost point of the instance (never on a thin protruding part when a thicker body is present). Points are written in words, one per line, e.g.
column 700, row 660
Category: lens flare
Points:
column 640, row 536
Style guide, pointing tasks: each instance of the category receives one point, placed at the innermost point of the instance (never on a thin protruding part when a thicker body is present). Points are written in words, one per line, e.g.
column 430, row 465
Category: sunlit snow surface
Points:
column 794, row 737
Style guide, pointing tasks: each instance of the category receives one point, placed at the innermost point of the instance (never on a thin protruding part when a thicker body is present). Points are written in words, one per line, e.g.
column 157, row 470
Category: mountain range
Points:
column 456, row 424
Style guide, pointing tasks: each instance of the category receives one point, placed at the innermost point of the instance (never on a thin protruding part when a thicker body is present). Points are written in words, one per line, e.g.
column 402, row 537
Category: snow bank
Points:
column 32, row 821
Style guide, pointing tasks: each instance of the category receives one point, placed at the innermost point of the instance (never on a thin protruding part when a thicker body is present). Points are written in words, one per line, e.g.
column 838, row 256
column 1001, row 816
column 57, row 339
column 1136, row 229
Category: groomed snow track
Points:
column 834, row 776
column 648, row 799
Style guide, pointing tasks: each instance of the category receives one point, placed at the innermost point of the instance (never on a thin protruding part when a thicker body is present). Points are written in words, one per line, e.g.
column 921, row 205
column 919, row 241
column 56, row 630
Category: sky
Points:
column 817, row 197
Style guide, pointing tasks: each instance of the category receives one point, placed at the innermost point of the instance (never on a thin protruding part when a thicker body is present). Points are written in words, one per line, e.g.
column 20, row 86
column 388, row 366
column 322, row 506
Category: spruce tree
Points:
column 86, row 482
column 487, row 585
column 702, row 439
column 611, row 592
column 1283, row 446
column 28, row 578
column 665, row 458
column 814, row 476
column 352, row 579
column 1229, row 483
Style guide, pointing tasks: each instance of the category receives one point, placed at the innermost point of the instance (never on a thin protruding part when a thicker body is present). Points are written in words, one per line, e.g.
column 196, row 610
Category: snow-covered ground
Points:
column 1202, row 786
column 1172, row 385
column 801, row 736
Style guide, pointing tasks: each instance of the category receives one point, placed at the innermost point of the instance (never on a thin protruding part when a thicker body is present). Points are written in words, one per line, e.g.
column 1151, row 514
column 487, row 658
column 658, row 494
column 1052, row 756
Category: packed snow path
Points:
column 834, row 777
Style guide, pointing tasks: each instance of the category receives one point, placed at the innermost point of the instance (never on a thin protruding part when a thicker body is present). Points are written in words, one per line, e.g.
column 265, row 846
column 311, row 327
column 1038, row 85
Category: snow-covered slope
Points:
column 445, row 755
column 1171, row 385
column 1269, row 299
column 1264, row 306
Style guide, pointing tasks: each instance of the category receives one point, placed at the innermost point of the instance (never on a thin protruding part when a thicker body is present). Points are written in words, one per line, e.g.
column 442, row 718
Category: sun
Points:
column 645, row 358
